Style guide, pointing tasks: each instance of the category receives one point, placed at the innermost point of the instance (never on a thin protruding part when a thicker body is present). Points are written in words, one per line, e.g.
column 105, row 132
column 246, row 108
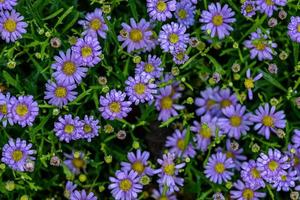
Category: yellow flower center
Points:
column 269, row 2
column 217, row 20
column 267, row 121
column 298, row 28
column 296, row 161
column 249, row 83
column 166, row 103
column 115, row 107
column 205, row 131
column 249, row 8
column 17, row 155
column 138, row 167
column 173, row 38
column 163, row 198
column 248, row 194
column 220, row 168
column 229, row 154
column 210, row 103
column 161, row 6
column 180, row 144
column 259, row 45
column 273, row 165
column 255, row 173
column 95, row 24
column 235, row 120
column 87, row 128
column 69, row 68
column 182, row 14
column 136, row 35
column 10, row 25
column 69, row 128
column 283, row 177
column 139, row 88
column 148, row 68
column 169, row 169
column 225, row 103
column 125, row 185
column 60, row 92
column 180, row 56
column 86, row 51
column 3, row 109
column 22, row 110
column 2, row 1
column 78, row 163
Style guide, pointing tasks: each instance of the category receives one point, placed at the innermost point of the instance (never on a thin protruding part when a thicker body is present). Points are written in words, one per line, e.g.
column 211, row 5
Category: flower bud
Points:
column 55, row 42
column 108, row 159
column 121, row 135
column 55, row 161
column 108, row 128
column 10, row 186
column 82, row 178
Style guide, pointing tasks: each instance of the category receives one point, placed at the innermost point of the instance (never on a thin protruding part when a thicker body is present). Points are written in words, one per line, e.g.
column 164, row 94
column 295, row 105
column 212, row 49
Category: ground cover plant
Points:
column 149, row 99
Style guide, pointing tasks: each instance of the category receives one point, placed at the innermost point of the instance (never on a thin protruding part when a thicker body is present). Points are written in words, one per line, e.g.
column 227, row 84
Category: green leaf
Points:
column 60, row 19
column 273, row 81
column 53, row 14
column 10, row 80
column 132, row 5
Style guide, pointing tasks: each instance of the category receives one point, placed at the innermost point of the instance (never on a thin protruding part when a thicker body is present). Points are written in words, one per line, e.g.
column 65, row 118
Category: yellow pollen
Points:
column 136, row 35
column 163, row 198
column 17, row 155
column 166, row 103
column 86, row 51
column 267, row 121
column 173, row 38
column 2, row 1
column 220, row 168
column 225, row 103
column 125, row 185
column 249, row 83
column 95, row 24
column 255, row 173
column 180, row 144
column 87, row 128
column 217, row 20
column 296, row 161
column 235, row 121
column 69, row 128
column 161, row 6
column 273, row 165
column 210, row 103
column 298, row 28
column 284, row 178
column 180, row 56
column 259, row 45
column 115, row 107
column 149, row 68
column 60, row 92
column 205, row 131
column 69, row 68
column 138, row 167
column 22, row 110
column 248, row 194
column 78, row 163
column 3, row 109
column 269, row 2
column 10, row 25
column 169, row 169
column 139, row 88
column 182, row 14
column 229, row 154
column 249, row 8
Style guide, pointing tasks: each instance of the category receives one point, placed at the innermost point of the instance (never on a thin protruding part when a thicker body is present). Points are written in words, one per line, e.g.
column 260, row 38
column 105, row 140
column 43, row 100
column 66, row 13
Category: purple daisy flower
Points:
column 4, row 100
column 152, row 67
column 180, row 56
column 207, row 103
column 136, row 35
column 125, row 185
column 286, row 181
column 225, row 98
column 67, row 128
column 217, row 20
column 294, row 29
column 165, row 104
column 94, row 24
column 7, row 4
column 60, row 94
column 172, row 37
column 235, row 122
column 83, row 195
column 160, row 10
column 114, row 106
column 140, row 88
column 245, row 192
column 296, row 138
column 177, row 145
column 70, row 187
column 16, row 153
column 22, row 110
column 185, row 13
column 217, row 168
column 67, row 68
column 168, row 172
column 268, row 120
column 294, row 155
column 269, row 6
column 90, row 128
column 249, row 8
column 249, row 82
column 260, row 46
column 205, row 130
column 75, row 162
column 138, row 162
column 159, row 195
column 87, row 51
column 11, row 25
column 273, row 165
column 251, row 175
